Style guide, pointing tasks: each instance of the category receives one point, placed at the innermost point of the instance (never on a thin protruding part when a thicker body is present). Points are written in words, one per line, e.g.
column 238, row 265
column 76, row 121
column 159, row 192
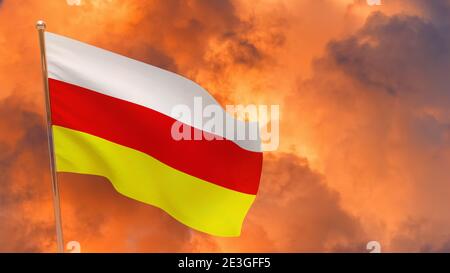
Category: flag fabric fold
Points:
column 111, row 117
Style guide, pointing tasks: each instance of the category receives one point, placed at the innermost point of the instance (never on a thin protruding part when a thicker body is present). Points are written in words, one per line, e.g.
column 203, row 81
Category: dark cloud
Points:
column 24, row 185
column 378, row 109
column 435, row 11
column 244, row 52
column 393, row 53
column 301, row 212
column 422, row 234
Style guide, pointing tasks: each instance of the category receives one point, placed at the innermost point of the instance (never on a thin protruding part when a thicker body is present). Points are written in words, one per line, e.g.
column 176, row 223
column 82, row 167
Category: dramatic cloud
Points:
column 365, row 121
column 295, row 200
column 23, row 181
column 376, row 116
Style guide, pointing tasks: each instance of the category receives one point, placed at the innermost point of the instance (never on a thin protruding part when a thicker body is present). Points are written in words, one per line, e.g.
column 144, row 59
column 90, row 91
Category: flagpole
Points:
column 40, row 26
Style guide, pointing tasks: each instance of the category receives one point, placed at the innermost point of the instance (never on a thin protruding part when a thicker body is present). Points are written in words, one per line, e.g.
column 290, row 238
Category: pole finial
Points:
column 40, row 25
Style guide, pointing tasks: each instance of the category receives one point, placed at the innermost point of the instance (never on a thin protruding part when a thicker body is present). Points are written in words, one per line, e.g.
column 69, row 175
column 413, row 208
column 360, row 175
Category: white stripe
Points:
column 117, row 76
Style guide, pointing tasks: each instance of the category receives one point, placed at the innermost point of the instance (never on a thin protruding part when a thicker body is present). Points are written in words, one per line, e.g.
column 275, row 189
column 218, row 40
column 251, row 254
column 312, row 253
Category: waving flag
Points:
column 111, row 116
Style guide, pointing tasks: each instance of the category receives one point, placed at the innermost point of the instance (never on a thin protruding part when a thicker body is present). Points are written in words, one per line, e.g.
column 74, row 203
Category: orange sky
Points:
column 365, row 121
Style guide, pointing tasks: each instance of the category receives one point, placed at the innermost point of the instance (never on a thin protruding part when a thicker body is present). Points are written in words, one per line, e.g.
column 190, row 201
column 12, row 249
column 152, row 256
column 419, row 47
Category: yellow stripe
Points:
column 194, row 202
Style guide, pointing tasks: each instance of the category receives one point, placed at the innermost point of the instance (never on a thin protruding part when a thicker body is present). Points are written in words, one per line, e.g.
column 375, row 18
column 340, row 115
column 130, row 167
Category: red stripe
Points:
column 221, row 162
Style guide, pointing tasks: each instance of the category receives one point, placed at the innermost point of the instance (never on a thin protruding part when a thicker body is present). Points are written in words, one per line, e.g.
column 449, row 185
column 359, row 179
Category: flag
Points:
column 112, row 116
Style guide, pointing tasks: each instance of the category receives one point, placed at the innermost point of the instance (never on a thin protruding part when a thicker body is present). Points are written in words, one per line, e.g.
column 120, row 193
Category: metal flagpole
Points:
column 40, row 26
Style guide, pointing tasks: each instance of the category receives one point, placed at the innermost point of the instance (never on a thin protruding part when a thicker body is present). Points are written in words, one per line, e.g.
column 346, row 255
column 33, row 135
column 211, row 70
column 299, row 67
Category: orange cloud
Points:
column 365, row 123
